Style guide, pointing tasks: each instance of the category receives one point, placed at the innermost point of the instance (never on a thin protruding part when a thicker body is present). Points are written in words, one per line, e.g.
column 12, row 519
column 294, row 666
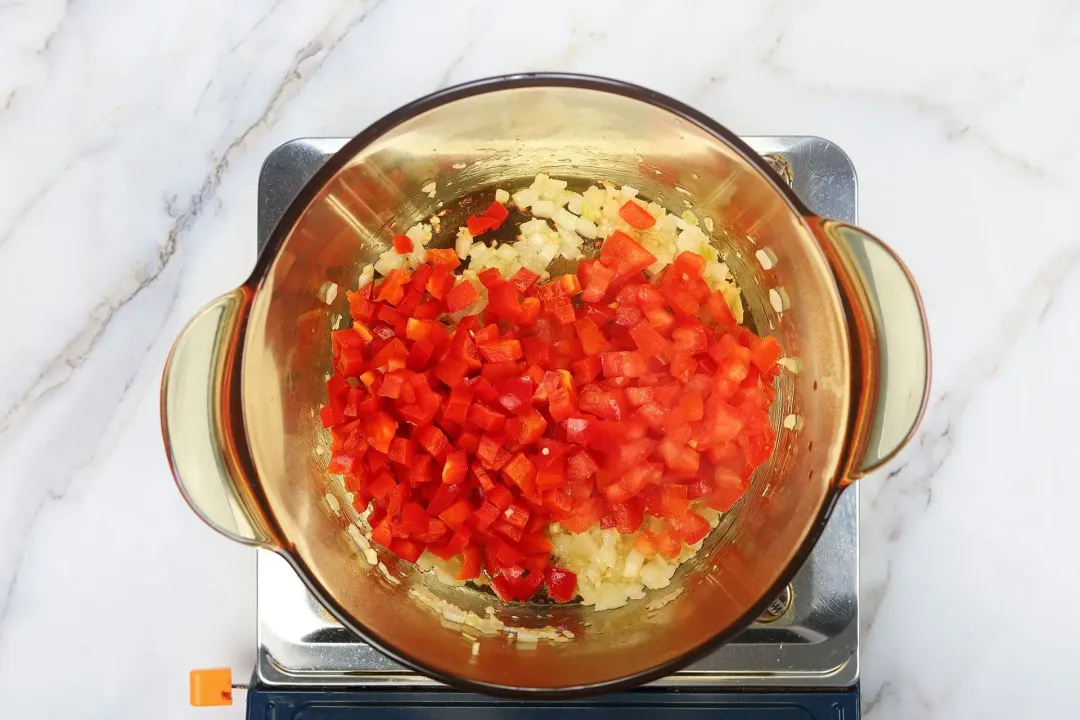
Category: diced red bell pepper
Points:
column 690, row 338
column 454, row 467
column 591, row 338
column 441, row 282
column 485, row 418
column 470, row 564
column 332, row 414
column 480, row 224
column 623, row 363
column 520, row 471
column 668, row 545
column 379, row 430
column 433, row 440
column 524, row 279
column 419, row 279
column 414, row 518
column 501, row 350
column 491, row 453
column 451, row 373
column 407, row 549
column 636, row 216
column 561, row 584
column 528, row 585
column 687, row 263
column 402, row 451
column 506, row 530
column 562, row 403
column 444, row 257
column 392, row 288
column 595, row 279
column 456, row 515
column 444, row 497
column 532, row 429
column 625, row 255
column 515, row 394
column 720, row 311
column 462, row 296
column 691, row 527
column 586, row 369
column 381, row 533
column 628, row 516
column 403, row 244
column 584, row 515
column 765, row 354
column 485, row 515
column 497, row 212
column 361, row 303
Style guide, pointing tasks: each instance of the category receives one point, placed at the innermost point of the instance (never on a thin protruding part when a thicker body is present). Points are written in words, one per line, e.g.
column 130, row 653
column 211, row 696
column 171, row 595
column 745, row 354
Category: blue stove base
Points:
column 265, row 703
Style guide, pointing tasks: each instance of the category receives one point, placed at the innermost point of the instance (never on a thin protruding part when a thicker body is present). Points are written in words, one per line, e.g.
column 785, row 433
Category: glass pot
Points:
column 245, row 379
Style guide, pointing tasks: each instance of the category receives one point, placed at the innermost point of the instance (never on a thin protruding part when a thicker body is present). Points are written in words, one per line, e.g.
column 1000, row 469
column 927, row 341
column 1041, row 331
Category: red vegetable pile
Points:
column 594, row 398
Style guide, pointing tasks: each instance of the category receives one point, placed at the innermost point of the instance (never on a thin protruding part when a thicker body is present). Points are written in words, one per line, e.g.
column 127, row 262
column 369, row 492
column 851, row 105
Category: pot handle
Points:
column 893, row 344
column 202, row 426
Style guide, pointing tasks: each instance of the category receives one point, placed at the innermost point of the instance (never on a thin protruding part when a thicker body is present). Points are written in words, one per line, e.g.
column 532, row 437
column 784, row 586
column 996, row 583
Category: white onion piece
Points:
column 543, row 208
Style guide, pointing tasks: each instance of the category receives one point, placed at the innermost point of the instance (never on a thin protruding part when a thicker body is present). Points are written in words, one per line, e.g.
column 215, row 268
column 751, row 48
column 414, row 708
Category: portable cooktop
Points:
column 801, row 659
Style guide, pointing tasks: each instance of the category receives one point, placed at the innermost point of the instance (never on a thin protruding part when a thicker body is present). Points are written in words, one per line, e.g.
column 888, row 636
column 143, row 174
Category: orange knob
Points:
column 211, row 687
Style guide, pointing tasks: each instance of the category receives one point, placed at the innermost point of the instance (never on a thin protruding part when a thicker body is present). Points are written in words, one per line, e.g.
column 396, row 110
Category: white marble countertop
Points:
column 131, row 136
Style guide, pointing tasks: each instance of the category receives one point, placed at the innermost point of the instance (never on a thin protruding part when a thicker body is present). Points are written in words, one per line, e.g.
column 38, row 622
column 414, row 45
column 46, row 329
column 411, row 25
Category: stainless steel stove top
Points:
column 809, row 637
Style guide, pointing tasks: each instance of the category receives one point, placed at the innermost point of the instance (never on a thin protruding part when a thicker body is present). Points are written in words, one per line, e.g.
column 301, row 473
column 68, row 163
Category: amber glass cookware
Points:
column 245, row 378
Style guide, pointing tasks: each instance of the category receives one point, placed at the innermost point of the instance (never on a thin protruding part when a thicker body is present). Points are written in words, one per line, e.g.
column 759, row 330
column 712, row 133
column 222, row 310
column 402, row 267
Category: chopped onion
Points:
column 523, row 199
column 565, row 218
column 463, row 243
column 585, row 228
column 501, row 196
column 543, row 208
